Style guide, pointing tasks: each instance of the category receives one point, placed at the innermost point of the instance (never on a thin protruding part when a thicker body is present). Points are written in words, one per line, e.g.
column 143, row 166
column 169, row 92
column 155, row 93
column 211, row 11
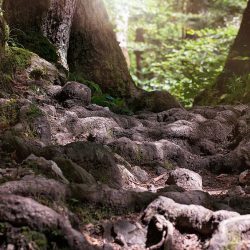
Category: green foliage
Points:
column 89, row 213
column 117, row 105
column 12, row 60
column 192, row 65
column 185, row 43
column 37, row 74
column 35, row 237
column 238, row 89
column 35, row 42
column 8, row 114
column 33, row 112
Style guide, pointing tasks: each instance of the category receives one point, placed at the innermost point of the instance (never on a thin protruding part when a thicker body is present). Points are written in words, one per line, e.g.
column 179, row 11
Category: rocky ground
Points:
column 75, row 175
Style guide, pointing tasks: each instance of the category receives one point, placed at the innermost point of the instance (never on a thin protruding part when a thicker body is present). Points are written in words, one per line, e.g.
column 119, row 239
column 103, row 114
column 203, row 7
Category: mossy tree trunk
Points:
column 94, row 51
column 57, row 26
column 3, row 34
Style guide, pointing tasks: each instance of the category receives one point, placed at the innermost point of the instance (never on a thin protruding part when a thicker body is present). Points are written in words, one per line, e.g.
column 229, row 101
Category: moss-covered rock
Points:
column 37, row 43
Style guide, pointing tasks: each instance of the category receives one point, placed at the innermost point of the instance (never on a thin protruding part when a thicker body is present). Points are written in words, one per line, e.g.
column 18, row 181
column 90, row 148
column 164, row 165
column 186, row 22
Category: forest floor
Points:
column 75, row 175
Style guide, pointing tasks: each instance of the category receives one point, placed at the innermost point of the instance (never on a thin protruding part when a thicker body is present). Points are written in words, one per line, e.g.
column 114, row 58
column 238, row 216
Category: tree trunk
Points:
column 95, row 53
column 238, row 61
column 44, row 18
column 4, row 34
column 57, row 26
column 237, row 65
column 121, row 21
column 138, row 53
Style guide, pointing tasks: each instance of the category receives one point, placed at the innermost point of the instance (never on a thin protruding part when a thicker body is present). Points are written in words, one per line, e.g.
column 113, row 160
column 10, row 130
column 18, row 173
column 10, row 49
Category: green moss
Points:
column 117, row 105
column 12, row 60
column 90, row 213
column 37, row 74
column 37, row 43
column 34, row 112
column 39, row 239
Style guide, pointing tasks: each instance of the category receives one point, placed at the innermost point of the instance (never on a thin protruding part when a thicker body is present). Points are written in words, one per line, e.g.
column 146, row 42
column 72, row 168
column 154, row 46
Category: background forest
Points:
column 180, row 46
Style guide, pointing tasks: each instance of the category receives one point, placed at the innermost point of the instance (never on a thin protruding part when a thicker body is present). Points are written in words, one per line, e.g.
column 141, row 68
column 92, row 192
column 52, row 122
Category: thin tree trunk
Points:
column 138, row 53
column 2, row 34
column 121, row 20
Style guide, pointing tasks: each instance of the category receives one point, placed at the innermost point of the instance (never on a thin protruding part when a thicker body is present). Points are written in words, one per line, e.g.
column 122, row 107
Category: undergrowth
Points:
column 117, row 105
column 12, row 60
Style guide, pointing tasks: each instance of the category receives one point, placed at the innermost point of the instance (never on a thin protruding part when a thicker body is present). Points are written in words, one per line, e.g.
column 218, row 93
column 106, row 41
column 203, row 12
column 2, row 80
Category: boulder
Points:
column 156, row 101
column 185, row 178
column 125, row 233
column 244, row 177
column 74, row 93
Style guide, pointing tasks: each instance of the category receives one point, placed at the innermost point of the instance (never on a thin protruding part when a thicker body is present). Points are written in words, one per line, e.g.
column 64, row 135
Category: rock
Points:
column 45, row 167
column 236, row 191
column 244, row 177
column 74, row 93
column 171, row 188
column 125, row 233
column 99, row 162
column 45, row 70
column 162, row 152
column 36, row 120
column 140, row 174
column 185, row 178
column 156, row 101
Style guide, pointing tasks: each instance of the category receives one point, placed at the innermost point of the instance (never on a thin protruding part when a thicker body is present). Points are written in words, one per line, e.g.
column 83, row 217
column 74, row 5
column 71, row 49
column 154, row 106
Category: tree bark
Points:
column 238, row 61
column 138, row 53
column 57, row 26
column 2, row 34
column 237, row 64
column 95, row 53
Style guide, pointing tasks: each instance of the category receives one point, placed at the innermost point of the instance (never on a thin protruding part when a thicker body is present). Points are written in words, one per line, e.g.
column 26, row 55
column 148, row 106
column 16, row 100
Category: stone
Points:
column 156, row 101
column 126, row 233
column 244, row 177
column 74, row 93
column 185, row 178
column 140, row 174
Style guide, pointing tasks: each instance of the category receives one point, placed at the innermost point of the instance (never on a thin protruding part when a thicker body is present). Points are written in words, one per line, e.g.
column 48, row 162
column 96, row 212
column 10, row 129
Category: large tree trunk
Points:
column 50, row 18
column 95, row 53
